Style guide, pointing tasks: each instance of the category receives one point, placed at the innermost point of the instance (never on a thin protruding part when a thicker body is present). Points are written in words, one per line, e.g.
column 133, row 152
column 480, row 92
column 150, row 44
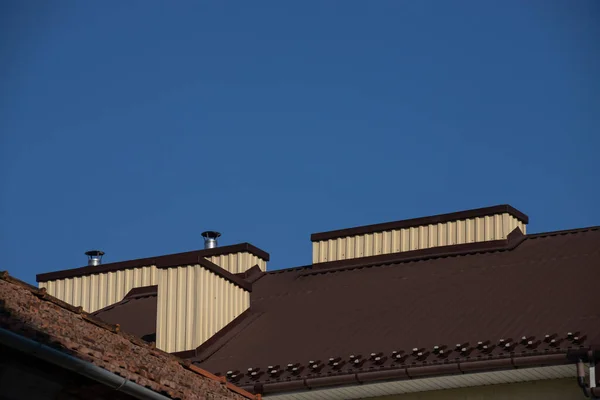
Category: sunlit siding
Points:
column 547, row 383
column 238, row 262
column 95, row 291
column 493, row 227
column 193, row 304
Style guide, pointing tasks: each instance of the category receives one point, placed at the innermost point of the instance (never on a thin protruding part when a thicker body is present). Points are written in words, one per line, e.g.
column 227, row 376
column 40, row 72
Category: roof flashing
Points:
column 514, row 239
column 158, row 261
column 413, row 222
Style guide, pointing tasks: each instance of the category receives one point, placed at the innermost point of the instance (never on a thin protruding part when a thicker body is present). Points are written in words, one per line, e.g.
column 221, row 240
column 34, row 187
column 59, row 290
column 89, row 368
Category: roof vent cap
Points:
column 94, row 257
column 210, row 239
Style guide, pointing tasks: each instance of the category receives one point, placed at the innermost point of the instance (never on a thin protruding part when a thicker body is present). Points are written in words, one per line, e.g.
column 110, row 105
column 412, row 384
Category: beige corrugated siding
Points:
column 238, row 262
column 193, row 304
column 96, row 291
column 493, row 227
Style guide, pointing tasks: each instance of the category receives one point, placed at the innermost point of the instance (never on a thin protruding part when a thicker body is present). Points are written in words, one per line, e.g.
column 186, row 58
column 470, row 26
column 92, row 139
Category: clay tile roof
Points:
column 520, row 302
column 30, row 312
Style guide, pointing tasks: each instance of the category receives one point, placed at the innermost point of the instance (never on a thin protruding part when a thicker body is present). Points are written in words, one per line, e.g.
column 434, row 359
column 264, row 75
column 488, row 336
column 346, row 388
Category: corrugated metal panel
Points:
column 96, row 291
column 493, row 227
column 193, row 304
column 436, row 383
column 238, row 262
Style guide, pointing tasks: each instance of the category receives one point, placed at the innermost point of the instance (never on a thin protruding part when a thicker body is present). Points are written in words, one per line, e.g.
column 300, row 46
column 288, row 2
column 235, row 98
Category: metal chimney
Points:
column 210, row 239
column 94, row 257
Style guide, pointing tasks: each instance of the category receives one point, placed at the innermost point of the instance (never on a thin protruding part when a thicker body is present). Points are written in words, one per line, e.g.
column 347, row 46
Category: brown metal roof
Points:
column 170, row 260
column 433, row 219
column 508, row 297
column 30, row 312
column 135, row 314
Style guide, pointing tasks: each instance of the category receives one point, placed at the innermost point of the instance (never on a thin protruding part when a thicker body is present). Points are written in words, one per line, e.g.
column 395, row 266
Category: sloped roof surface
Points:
column 135, row 314
column 30, row 312
column 546, row 284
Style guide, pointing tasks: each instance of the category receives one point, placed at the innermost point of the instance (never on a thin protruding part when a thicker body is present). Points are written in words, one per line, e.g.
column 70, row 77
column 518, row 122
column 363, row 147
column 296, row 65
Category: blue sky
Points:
column 134, row 126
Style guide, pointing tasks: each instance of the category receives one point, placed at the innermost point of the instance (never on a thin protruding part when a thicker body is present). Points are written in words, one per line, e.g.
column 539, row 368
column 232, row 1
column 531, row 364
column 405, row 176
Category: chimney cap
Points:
column 210, row 239
column 94, row 257
column 94, row 253
column 211, row 234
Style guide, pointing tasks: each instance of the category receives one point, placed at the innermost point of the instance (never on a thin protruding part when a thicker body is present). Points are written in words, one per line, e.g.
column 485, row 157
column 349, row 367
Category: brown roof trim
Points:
column 563, row 232
column 159, row 261
column 222, row 337
column 252, row 274
column 223, row 381
column 514, row 239
column 434, row 219
column 135, row 293
column 439, row 251
column 413, row 372
column 214, row 268
column 142, row 292
column 185, row 353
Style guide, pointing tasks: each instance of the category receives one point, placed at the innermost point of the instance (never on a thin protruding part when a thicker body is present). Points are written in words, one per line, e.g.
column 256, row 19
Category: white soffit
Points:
column 433, row 383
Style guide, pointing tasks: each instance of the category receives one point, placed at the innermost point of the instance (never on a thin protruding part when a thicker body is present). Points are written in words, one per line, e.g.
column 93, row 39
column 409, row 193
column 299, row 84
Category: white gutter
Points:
column 78, row 366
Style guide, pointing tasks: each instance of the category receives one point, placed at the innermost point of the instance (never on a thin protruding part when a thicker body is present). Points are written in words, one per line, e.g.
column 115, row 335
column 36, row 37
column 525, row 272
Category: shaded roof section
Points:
column 507, row 297
column 30, row 312
column 135, row 314
column 434, row 219
column 171, row 260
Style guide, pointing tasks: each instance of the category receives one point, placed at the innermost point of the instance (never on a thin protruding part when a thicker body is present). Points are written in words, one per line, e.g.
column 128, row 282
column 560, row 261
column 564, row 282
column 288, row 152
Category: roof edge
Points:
column 158, row 261
column 223, row 336
column 513, row 240
column 433, row 219
column 563, row 232
column 414, row 372
column 217, row 270
column 142, row 291
column 135, row 293
column 251, row 274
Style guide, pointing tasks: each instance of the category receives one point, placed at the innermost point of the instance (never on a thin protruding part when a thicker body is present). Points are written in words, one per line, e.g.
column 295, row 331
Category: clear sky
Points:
column 132, row 126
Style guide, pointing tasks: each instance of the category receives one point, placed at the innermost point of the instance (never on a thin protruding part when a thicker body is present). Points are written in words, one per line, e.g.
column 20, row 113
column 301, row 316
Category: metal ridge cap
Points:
column 158, row 261
column 214, row 268
column 513, row 240
column 432, row 219
column 224, row 335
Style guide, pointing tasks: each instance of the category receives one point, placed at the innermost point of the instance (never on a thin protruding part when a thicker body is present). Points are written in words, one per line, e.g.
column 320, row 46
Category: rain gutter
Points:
column 359, row 378
column 78, row 366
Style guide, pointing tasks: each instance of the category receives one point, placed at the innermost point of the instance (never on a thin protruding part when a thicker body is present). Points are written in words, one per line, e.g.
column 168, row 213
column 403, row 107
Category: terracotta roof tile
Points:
column 30, row 312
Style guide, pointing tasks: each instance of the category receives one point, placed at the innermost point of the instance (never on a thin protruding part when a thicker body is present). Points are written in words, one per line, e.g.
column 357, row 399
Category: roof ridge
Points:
column 226, row 334
column 142, row 291
column 427, row 220
column 158, row 261
column 563, row 232
column 512, row 241
column 290, row 269
column 131, row 295
column 252, row 274
column 527, row 236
